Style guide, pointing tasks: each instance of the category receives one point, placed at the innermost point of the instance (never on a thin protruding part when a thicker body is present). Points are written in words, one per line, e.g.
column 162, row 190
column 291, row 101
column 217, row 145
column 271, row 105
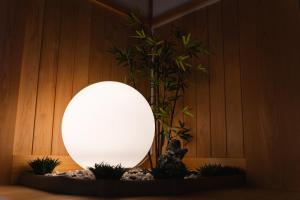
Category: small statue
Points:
column 170, row 164
column 174, row 149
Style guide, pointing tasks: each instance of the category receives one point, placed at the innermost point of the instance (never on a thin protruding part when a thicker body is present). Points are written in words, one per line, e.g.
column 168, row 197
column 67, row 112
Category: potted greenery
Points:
column 166, row 64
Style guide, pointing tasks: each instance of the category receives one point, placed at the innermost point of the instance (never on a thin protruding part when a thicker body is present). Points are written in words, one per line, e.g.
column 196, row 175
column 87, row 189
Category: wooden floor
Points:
column 22, row 193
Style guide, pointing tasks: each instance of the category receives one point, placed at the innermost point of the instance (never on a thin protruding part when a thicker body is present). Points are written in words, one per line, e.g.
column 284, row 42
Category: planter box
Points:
column 101, row 188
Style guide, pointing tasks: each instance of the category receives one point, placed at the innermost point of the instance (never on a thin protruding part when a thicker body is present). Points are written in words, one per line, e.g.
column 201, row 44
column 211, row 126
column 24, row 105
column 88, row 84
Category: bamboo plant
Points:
column 166, row 63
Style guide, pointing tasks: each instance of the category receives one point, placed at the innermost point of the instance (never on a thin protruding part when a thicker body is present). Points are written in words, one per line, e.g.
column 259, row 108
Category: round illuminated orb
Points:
column 108, row 122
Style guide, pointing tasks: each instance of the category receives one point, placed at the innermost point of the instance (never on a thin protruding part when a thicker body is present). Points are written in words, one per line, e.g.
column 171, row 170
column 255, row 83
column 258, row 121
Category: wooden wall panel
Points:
column 190, row 99
column 104, row 42
column 201, row 94
column 42, row 140
column 66, row 61
column 118, row 73
column 69, row 43
column 29, row 78
column 96, row 46
column 290, row 96
column 178, row 115
column 81, row 65
column 6, row 138
column 65, row 48
column 260, row 105
column 203, row 114
column 269, row 55
column 234, row 118
column 12, row 24
column 217, row 127
column 217, row 80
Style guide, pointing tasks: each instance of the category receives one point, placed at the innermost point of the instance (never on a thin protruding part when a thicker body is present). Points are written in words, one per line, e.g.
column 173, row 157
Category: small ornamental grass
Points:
column 44, row 165
column 219, row 170
column 107, row 172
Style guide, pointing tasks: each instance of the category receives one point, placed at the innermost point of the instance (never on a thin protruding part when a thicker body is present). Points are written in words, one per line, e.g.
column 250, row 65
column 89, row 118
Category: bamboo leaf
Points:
column 186, row 111
column 202, row 68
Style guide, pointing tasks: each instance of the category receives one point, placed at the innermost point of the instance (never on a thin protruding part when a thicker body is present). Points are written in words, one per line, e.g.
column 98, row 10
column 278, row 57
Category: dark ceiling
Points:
column 159, row 11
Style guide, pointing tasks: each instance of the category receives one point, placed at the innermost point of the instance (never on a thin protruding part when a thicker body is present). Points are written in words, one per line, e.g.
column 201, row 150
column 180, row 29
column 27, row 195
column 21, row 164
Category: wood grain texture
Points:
column 12, row 15
column 217, row 80
column 42, row 140
column 65, row 48
column 258, row 123
column 218, row 95
column 104, row 43
column 190, row 97
column 234, row 118
column 74, row 38
column 96, row 46
column 203, row 110
column 269, row 44
column 66, row 60
column 29, row 78
column 81, row 65
column 290, row 110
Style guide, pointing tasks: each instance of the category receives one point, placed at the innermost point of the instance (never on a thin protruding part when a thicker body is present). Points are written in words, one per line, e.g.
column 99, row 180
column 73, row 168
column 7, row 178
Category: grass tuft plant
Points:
column 219, row 170
column 106, row 171
column 43, row 165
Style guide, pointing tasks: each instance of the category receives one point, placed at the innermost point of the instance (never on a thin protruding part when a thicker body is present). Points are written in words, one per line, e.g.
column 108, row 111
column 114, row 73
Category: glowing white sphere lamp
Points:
column 108, row 122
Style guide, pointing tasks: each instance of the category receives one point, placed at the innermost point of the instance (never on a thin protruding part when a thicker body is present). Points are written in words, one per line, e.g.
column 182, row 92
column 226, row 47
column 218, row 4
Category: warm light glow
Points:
column 108, row 122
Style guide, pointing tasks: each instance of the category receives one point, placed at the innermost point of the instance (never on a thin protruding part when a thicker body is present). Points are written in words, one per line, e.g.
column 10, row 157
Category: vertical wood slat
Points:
column 96, row 46
column 64, row 87
column 105, row 65
column 290, row 110
column 42, row 140
column 116, row 74
column 12, row 23
column 270, row 31
column 202, row 90
column 29, row 78
column 234, row 122
column 251, row 91
column 190, row 97
column 81, row 66
column 217, row 93
column 119, row 73
column 178, row 115
column 4, row 32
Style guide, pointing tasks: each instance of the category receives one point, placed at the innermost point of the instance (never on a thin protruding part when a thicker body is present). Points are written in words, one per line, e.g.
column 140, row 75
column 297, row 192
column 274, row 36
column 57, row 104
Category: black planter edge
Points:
column 111, row 188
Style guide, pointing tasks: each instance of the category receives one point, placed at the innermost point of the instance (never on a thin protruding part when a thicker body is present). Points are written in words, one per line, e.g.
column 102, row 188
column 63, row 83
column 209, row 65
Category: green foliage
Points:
column 106, row 171
column 44, row 165
column 170, row 171
column 218, row 170
column 167, row 63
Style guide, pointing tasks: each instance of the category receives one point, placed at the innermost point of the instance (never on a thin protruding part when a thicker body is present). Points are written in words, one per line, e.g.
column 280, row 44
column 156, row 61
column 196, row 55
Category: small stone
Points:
column 137, row 174
column 191, row 176
column 77, row 174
